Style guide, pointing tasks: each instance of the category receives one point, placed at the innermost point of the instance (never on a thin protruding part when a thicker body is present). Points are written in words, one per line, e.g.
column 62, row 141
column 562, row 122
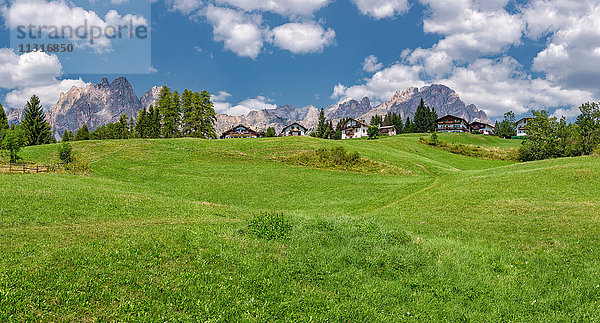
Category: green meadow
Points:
column 159, row 231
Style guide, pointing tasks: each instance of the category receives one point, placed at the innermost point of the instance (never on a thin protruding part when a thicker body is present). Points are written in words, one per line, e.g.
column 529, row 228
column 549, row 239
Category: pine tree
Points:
column 433, row 116
column 321, row 126
column 122, row 131
column 422, row 118
column 3, row 120
column 83, row 133
column 171, row 117
column 36, row 129
column 329, row 132
column 67, row 136
column 153, row 122
column 187, row 108
column 408, row 126
column 163, row 106
column 141, row 124
column 207, row 116
column 376, row 121
column 270, row 132
column 397, row 121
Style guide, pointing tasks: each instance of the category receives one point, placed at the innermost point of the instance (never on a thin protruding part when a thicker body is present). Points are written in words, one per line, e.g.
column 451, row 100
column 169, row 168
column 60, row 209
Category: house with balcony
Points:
column 388, row 130
column 450, row 123
column 295, row 129
column 522, row 126
column 240, row 131
column 352, row 128
column 482, row 128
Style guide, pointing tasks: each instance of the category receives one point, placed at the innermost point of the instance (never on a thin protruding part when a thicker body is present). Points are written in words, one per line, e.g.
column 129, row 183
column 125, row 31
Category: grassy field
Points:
column 159, row 232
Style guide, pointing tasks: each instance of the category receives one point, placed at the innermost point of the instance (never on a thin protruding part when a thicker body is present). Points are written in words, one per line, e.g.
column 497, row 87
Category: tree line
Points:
column 423, row 121
column 190, row 114
column 550, row 137
column 33, row 130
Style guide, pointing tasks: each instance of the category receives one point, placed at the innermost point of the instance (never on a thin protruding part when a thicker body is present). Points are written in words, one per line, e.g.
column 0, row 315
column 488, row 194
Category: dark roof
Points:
column 449, row 115
column 357, row 121
column 238, row 126
column 295, row 123
column 386, row 127
column 483, row 123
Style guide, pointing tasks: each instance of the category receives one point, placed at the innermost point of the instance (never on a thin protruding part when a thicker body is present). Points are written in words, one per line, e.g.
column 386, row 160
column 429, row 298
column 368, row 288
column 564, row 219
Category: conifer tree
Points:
column 422, row 118
column 376, row 121
column 321, row 126
column 153, row 122
column 408, row 126
column 329, row 132
column 397, row 121
column 187, row 108
column 3, row 120
column 122, row 131
column 67, row 136
column 36, row 129
column 207, row 116
column 433, row 116
column 163, row 105
column 141, row 124
column 171, row 116
column 83, row 133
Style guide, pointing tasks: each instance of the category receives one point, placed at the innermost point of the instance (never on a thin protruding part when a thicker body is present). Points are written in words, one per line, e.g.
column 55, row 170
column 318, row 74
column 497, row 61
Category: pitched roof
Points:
column 357, row 121
column 295, row 123
column 455, row 117
column 483, row 123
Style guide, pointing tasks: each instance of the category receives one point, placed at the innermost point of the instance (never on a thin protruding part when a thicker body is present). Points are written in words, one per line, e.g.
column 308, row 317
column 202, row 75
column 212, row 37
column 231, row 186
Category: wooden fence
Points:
column 24, row 168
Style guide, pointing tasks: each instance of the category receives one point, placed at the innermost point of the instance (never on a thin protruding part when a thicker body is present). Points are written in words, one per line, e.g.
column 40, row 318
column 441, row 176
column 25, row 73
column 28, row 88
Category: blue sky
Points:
column 500, row 55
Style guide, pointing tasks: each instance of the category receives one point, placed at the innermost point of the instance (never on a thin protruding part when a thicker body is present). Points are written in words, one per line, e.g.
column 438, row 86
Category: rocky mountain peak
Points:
column 151, row 97
column 437, row 96
column 104, row 83
column 94, row 105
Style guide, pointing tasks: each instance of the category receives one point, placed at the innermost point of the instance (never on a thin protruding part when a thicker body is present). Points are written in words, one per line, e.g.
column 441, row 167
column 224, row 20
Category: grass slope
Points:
column 158, row 232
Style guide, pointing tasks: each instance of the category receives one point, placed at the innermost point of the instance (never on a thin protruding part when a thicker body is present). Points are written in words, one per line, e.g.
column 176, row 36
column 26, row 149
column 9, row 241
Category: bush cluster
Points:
column 551, row 138
column 337, row 156
column 471, row 150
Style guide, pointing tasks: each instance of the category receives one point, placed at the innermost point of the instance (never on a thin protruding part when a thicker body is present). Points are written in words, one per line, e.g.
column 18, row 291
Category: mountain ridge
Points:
column 105, row 102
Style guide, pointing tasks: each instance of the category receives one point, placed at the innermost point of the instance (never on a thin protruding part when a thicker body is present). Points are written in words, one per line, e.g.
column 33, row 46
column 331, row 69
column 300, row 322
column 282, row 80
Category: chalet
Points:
column 240, row 131
column 522, row 126
column 451, row 123
column 295, row 129
column 352, row 128
column 388, row 130
column 482, row 128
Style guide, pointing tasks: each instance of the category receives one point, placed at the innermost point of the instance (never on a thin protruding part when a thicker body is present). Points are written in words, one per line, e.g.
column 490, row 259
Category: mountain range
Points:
column 105, row 102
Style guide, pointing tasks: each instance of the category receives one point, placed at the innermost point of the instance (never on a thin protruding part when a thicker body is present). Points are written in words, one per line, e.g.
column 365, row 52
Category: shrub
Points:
column 79, row 165
column 64, row 152
column 269, row 225
column 373, row 132
column 471, row 150
column 12, row 142
column 337, row 156
column 270, row 132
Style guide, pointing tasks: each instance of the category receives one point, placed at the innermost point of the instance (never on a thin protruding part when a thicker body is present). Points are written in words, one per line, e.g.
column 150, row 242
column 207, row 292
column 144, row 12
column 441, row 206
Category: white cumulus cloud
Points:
column 302, row 38
column 380, row 9
column 241, row 33
column 61, row 14
column 371, row 64
column 282, row 7
column 32, row 73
